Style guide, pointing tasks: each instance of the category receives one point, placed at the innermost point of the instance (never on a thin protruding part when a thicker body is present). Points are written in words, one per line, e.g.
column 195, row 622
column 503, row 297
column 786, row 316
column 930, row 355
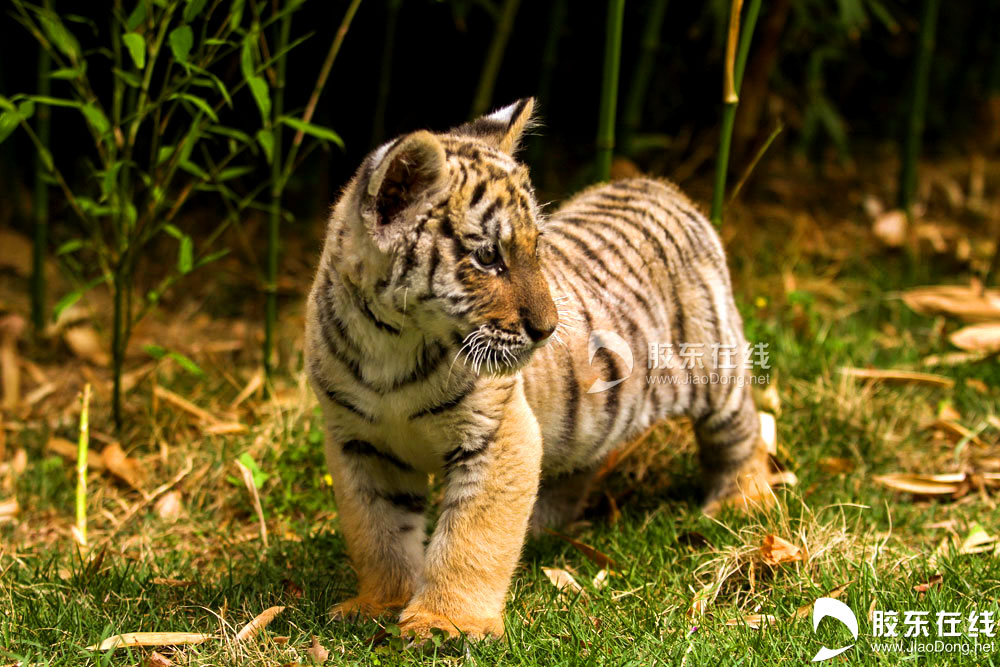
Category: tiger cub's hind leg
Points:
column 733, row 455
column 560, row 500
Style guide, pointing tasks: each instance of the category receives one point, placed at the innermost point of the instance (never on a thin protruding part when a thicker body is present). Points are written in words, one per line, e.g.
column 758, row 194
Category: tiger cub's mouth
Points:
column 495, row 351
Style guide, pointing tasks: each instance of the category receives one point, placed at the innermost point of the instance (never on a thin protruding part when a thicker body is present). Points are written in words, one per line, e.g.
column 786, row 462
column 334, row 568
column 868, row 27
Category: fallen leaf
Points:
column 957, row 432
column 890, row 228
column 600, row 559
column 562, row 580
column 600, row 580
column 898, row 376
column 11, row 328
column 169, row 506
column 167, row 581
column 977, row 384
column 255, row 499
column 977, row 541
column 769, row 432
column 953, row 359
column 8, row 509
column 805, row 610
column 948, row 484
column 84, row 343
column 151, row 639
column 158, row 660
column 930, row 583
column 123, row 467
column 948, row 412
column 68, row 450
column 251, row 629
column 782, row 478
column 835, row 465
column 754, row 621
column 316, row 652
column 978, row 337
column 966, row 302
column 776, row 551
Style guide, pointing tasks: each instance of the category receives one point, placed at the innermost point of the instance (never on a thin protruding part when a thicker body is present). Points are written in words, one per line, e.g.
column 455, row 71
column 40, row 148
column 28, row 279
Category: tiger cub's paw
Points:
column 746, row 489
column 362, row 608
column 419, row 625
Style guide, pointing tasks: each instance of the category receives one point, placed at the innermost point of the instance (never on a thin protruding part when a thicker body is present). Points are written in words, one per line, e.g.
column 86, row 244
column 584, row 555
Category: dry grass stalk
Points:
column 253, row 628
column 899, row 376
column 255, row 498
column 151, row 639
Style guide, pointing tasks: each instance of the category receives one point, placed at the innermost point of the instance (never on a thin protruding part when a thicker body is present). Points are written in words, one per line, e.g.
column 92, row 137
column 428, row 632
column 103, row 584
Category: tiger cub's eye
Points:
column 487, row 257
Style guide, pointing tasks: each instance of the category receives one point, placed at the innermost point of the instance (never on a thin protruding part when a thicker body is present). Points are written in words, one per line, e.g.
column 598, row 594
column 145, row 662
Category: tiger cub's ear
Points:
column 504, row 127
column 401, row 173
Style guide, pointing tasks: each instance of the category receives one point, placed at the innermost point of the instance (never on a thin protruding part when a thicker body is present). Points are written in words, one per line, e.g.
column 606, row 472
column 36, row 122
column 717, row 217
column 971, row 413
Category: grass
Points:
column 206, row 571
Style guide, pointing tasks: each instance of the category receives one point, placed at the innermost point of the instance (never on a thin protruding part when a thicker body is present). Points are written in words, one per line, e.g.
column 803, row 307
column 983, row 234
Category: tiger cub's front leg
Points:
column 380, row 501
column 490, row 488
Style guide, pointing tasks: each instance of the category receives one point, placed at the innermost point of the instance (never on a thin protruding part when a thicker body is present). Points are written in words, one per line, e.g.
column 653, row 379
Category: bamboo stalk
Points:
column 277, row 192
column 385, row 75
column 609, row 88
column 41, row 196
column 918, row 106
column 650, row 45
column 736, row 60
column 81, row 467
column 494, row 58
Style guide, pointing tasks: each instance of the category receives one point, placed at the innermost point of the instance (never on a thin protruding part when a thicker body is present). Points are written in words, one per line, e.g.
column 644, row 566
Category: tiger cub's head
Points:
column 439, row 232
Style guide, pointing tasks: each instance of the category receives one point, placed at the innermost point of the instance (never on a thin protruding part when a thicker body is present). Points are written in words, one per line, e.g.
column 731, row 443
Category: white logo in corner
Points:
column 835, row 609
column 603, row 339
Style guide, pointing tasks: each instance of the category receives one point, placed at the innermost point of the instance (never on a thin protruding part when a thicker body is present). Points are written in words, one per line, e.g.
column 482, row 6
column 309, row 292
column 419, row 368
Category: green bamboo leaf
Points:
column 67, row 73
column 193, row 8
column 173, row 231
column 129, row 78
column 246, row 55
column 53, row 101
column 233, row 172
column 236, row 14
column 317, row 131
column 185, row 256
column 181, row 40
column 108, row 180
column 208, row 259
column 136, row 45
column 6, row 104
column 26, row 109
column 163, row 154
column 137, row 17
column 62, row 38
column 155, row 351
column 266, row 140
column 9, row 121
column 238, row 135
column 262, row 96
column 65, row 302
column 187, row 364
column 198, row 102
column 69, row 247
column 96, row 118
column 194, row 170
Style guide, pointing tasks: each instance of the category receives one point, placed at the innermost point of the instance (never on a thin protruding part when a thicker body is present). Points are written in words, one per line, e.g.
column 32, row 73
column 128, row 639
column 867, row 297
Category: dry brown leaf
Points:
column 956, row 432
column 836, row 465
column 169, row 506
column 963, row 301
column 782, row 478
column 948, row 484
column 769, row 432
column 123, row 467
column 805, row 610
column 251, row 629
column 8, row 509
column 978, row 385
column 85, row 344
column 255, row 499
column 953, row 359
column 890, row 228
column 600, row 580
column 158, row 660
column 255, row 383
column 316, row 652
column 68, row 450
column 598, row 558
column 151, row 639
column 225, row 428
column 935, row 580
column 11, row 328
column 562, row 580
column 185, row 405
column 898, row 376
column 776, row 551
column 754, row 621
column 978, row 337
column 167, row 581
column 947, row 411
column 977, row 541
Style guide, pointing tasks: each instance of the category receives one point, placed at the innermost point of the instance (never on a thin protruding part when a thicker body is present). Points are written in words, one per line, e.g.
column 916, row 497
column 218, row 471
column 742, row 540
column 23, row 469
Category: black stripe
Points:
column 367, row 449
column 362, row 304
column 477, row 194
column 334, row 395
column 572, row 414
column 410, row 502
column 460, row 455
column 451, row 403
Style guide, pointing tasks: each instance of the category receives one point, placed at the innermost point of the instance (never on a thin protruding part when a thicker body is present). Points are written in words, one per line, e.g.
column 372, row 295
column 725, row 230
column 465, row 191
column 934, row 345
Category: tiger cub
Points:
column 426, row 342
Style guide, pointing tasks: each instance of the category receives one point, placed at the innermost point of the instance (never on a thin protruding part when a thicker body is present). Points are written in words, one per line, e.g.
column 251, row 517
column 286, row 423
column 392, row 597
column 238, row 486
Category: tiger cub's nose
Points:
column 539, row 331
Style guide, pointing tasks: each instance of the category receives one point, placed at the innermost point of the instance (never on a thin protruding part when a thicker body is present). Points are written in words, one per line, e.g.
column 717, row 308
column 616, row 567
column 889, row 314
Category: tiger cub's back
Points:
column 631, row 264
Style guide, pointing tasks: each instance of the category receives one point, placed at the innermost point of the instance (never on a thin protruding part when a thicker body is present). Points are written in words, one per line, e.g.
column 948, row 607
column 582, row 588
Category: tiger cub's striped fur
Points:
column 425, row 341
